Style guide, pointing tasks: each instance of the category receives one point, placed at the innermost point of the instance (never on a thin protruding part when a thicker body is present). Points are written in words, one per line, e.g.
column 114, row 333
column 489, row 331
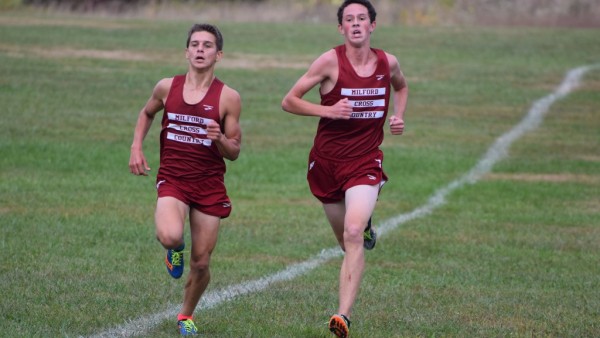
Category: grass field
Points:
column 515, row 254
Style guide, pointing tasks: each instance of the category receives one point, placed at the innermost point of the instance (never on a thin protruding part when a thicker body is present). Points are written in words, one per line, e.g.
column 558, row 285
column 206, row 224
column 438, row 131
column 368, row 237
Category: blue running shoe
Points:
column 187, row 327
column 370, row 237
column 174, row 262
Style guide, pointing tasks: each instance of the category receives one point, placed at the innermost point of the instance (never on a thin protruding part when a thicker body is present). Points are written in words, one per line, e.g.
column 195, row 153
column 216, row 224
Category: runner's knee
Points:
column 353, row 232
column 200, row 263
column 169, row 240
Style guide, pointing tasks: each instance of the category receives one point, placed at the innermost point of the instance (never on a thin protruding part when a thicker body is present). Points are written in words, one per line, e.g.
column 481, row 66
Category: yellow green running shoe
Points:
column 174, row 262
column 369, row 236
column 187, row 327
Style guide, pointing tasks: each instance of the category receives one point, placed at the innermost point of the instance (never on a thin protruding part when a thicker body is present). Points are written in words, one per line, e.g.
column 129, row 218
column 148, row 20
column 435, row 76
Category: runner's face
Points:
column 202, row 50
column 356, row 25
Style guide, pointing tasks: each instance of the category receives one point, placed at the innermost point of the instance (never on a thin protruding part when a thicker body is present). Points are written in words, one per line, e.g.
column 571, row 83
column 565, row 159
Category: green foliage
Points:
column 9, row 4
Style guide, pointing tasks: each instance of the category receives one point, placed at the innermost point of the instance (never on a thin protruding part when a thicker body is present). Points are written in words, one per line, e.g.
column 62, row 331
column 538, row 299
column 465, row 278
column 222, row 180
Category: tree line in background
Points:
column 579, row 13
column 91, row 5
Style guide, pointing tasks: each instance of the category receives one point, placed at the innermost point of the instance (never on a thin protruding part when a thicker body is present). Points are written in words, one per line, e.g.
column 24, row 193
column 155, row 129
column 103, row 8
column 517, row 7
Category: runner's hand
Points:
column 213, row 131
column 342, row 110
column 137, row 163
column 396, row 125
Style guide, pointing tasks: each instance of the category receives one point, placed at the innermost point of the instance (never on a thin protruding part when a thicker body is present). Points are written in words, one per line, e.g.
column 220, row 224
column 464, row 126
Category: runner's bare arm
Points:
column 228, row 138
column 137, row 161
column 399, row 94
column 322, row 71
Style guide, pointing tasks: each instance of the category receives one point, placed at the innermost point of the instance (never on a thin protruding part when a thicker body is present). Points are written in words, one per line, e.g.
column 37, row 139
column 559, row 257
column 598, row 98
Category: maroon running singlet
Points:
column 369, row 97
column 191, row 167
column 346, row 152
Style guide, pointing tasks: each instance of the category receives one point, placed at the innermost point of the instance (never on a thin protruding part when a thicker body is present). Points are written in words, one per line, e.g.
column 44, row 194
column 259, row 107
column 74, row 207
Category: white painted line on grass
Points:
column 495, row 153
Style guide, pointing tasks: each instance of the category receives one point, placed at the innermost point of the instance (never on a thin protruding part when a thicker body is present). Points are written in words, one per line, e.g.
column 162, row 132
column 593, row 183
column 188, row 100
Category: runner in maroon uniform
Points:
column 200, row 127
column 345, row 164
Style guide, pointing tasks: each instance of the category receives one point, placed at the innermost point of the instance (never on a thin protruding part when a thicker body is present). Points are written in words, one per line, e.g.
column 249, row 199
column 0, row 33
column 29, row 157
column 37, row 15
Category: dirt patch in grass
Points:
column 590, row 158
column 233, row 60
column 558, row 178
column 65, row 52
column 25, row 21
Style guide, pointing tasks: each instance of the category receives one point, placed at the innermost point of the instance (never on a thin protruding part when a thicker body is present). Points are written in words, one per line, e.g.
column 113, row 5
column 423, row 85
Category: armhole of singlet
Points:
column 338, row 52
column 171, row 89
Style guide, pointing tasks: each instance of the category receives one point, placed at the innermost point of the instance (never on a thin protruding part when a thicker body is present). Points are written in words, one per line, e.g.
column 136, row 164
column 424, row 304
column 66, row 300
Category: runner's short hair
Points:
column 366, row 3
column 204, row 27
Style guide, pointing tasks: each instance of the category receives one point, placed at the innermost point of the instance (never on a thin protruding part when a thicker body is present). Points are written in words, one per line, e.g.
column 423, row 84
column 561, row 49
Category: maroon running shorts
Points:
column 207, row 195
column 329, row 179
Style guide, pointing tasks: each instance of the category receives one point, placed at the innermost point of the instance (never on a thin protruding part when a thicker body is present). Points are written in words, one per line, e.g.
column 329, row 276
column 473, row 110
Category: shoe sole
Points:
column 338, row 327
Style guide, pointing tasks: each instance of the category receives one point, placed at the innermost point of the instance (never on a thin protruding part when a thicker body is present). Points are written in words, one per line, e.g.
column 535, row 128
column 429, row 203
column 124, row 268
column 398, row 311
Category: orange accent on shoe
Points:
column 338, row 326
column 183, row 317
column 169, row 265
